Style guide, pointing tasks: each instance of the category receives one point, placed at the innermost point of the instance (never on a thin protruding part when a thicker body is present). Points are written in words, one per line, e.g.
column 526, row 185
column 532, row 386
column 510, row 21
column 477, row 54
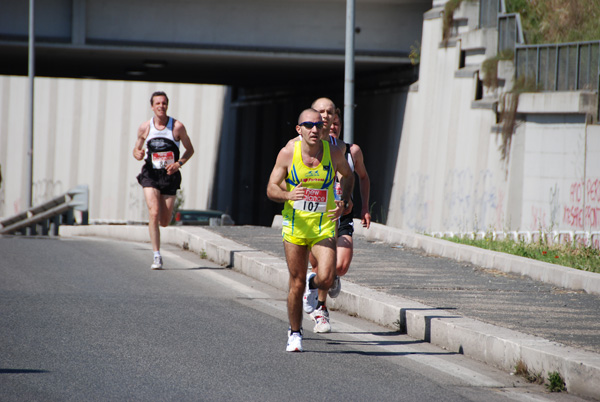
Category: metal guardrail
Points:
column 510, row 32
column 560, row 67
column 45, row 219
column 493, row 14
column 488, row 13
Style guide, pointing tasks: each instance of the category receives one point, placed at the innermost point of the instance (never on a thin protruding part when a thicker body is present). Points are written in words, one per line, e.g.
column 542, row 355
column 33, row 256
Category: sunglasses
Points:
column 309, row 125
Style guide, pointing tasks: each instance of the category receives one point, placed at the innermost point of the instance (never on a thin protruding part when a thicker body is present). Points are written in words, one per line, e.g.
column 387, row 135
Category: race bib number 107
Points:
column 315, row 200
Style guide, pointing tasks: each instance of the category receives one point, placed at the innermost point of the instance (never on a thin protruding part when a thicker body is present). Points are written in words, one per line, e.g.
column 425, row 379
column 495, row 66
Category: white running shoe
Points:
column 294, row 343
column 309, row 301
column 335, row 289
column 157, row 264
column 321, row 318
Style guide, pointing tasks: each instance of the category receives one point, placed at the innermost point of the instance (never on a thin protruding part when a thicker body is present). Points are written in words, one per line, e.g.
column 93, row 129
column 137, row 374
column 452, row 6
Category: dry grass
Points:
column 522, row 370
column 558, row 21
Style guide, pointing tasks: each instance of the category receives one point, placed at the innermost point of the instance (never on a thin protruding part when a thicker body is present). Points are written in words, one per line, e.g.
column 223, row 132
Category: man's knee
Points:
column 326, row 277
column 296, row 285
column 153, row 214
column 165, row 221
column 343, row 262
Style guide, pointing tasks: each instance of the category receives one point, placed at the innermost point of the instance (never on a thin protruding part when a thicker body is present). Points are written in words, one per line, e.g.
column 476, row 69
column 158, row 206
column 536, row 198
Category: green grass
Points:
column 555, row 382
column 557, row 21
column 579, row 257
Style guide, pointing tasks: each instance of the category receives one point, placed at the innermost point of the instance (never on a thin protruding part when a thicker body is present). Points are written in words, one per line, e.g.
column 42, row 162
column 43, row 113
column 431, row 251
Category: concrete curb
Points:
column 569, row 278
column 494, row 345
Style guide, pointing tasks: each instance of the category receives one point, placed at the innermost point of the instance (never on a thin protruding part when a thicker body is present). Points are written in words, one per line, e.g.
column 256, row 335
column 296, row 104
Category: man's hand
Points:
column 139, row 153
column 334, row 214
column 297, row 193
column 349, row 209
column 366, row 220
column 173, row 168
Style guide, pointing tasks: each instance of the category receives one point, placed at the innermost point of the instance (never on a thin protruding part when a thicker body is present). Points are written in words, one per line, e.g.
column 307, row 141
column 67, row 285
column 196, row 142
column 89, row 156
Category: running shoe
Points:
column 321, row 318
column 309, row 301
column 290, row 331
column 157, row 264
column 294, row 343
column 335, row 289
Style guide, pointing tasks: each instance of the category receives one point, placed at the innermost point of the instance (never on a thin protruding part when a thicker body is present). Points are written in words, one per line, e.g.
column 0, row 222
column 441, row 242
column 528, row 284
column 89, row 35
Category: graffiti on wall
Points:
column 414, row 204
column 489, row 200
column 45, row 190
column 473, row 202
column 543, row 218
column 459, row 200
column 578, row 215
column 469, row 201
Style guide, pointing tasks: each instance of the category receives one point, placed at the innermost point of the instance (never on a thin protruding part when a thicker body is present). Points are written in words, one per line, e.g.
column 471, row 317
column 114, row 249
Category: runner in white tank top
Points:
column 160, row 176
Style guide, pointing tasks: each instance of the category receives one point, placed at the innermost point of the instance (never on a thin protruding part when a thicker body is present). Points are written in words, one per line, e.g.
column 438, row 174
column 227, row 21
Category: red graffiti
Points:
column 591, row 190
column 539, row 218
column 576, row 191
column 575, row 216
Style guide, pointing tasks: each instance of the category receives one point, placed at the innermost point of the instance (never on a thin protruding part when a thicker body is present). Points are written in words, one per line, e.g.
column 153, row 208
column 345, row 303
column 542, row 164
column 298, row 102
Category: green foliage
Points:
column 557, row 21
column 508, row 113
column 555, row 382
column 489, row 68
column 448, row 21
column 415, row 53
column 584, row 258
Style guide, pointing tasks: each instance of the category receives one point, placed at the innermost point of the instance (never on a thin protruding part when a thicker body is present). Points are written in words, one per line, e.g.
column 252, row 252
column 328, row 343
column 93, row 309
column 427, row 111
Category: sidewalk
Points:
column 494, row 316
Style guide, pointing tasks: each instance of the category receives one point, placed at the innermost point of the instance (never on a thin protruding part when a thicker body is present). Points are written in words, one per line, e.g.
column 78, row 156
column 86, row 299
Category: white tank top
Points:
column 161, row 145
column 166, row 132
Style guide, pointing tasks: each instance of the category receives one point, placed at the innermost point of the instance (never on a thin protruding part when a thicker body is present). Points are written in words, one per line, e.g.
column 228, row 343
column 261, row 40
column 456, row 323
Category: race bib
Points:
column 337, row 190
column 315, row 200
column 160, row 160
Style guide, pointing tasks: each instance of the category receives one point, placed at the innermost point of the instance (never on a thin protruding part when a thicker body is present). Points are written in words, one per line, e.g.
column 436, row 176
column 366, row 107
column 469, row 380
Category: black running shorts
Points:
column 346, row 227
column 159, row 179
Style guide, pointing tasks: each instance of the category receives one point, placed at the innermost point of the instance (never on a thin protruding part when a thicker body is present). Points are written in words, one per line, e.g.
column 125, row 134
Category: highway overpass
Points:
column 231, row 42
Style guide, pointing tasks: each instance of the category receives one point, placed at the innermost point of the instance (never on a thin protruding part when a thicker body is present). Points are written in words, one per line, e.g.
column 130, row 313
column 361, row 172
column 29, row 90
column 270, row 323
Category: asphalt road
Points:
column 88, row 320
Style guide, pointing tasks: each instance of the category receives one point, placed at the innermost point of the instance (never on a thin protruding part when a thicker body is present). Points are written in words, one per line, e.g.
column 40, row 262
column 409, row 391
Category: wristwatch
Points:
column 345, row 204
column 180, row 164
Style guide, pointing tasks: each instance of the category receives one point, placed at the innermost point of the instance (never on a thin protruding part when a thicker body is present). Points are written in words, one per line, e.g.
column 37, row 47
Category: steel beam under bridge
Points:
column 231, row 42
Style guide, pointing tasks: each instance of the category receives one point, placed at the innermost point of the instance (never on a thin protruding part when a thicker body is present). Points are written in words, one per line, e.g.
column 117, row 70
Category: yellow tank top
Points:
column 308, row 218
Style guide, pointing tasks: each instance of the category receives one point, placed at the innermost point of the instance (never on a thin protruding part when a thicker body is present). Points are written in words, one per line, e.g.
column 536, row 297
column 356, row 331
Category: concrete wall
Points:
column 84, row 132
column 289, row 24
column 450, row 175
column 561, row 181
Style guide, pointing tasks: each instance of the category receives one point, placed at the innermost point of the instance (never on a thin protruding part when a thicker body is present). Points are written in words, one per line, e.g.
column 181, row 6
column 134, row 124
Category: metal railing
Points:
column 488, row 13
column 560, row 67
column 493, row 14
column 510, row 32
column 45, row 219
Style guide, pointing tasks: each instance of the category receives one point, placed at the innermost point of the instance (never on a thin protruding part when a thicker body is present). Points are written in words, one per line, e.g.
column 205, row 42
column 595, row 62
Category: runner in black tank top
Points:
column 160, row 176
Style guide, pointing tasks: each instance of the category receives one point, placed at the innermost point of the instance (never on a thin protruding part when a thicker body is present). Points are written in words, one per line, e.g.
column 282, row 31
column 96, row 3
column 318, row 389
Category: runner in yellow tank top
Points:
column 305, row 221
column 293, row 165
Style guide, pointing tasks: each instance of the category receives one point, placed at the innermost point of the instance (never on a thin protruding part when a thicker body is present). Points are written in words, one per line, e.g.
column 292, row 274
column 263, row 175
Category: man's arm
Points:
column 346, row 180
column 275, row 190
column 364, row 183
column 180, row 133
column 138, row 148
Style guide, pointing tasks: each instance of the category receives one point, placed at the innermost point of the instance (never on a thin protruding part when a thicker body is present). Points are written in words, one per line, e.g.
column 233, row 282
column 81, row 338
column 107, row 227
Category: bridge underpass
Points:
column 276, row 57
